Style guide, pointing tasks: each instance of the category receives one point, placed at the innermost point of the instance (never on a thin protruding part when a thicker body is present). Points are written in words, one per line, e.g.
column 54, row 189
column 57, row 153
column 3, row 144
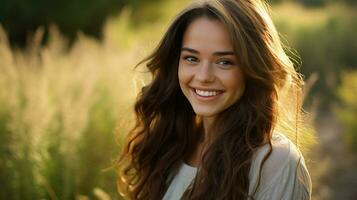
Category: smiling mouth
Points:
column 207, row 93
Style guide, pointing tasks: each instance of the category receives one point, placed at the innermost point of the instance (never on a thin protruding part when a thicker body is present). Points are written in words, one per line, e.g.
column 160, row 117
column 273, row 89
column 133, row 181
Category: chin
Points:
column 205, row 113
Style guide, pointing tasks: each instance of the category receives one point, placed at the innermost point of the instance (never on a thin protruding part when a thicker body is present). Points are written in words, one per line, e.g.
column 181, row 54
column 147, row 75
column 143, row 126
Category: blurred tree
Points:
column 20, row 17
column 315, row 3
column 312, row 2
column 352, row 2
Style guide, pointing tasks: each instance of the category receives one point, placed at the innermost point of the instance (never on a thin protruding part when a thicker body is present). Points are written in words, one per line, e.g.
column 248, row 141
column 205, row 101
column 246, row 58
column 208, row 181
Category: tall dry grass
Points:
column 64, row 110
column 59, row 109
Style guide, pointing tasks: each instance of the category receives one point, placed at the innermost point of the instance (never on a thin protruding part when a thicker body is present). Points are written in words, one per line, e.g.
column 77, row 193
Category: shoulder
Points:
column 284, row 173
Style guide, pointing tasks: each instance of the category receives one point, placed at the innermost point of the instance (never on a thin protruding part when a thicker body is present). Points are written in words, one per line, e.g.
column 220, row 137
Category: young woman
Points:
column 207, row 125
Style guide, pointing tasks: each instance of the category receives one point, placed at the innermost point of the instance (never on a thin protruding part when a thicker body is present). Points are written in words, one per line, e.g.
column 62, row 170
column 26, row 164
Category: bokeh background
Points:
column 67, row 86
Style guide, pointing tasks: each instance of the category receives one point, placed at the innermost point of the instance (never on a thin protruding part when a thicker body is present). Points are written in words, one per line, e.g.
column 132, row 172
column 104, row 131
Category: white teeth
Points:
column 206, row 93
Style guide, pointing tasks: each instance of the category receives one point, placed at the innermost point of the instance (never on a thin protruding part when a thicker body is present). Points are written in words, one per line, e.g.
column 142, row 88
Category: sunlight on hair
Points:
column 293, row 121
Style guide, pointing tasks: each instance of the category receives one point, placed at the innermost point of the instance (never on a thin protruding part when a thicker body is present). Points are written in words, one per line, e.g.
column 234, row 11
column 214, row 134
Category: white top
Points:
column 284, row 174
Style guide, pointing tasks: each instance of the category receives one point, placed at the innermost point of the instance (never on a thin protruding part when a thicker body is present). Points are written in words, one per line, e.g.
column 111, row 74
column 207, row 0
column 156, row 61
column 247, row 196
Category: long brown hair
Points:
column 167, row 129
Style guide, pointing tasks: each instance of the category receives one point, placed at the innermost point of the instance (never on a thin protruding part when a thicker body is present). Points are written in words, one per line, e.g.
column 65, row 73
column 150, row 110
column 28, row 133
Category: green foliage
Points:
column 325, row 40
column 346, row 109
column 326, row 48
column 315, row 3
column 311, row 3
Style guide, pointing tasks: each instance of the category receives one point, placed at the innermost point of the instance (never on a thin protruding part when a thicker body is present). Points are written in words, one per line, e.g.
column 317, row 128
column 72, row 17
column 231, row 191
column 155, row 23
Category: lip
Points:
column 203, row 98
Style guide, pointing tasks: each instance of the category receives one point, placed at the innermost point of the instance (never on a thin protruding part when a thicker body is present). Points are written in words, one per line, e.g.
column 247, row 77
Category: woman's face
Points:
column 208, row 72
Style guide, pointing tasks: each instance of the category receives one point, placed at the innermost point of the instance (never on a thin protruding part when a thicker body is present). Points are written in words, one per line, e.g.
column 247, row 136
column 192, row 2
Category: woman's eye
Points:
column 225, row 63
column 190, row 59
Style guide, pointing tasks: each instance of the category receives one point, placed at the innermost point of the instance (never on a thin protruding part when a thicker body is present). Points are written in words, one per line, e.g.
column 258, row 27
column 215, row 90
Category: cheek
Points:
column 183, row 75
column 236, row 82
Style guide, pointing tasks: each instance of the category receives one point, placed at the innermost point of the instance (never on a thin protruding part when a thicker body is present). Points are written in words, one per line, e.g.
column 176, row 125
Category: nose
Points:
column 205, row 73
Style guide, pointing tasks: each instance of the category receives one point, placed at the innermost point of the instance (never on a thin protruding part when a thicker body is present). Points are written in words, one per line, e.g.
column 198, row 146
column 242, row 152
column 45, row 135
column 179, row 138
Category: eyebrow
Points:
column 217, row 53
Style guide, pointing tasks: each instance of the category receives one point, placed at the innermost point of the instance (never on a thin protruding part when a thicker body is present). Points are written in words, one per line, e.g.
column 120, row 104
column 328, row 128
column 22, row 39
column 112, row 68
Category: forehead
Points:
column 207, row 34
